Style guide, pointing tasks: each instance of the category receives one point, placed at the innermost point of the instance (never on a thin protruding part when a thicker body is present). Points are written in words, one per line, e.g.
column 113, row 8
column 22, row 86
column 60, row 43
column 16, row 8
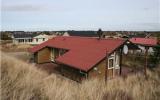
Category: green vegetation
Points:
column 5, row 36
column 155, row 57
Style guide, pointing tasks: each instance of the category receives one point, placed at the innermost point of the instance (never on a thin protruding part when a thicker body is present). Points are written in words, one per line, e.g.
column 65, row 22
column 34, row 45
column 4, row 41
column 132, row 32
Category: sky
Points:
column 51, row 15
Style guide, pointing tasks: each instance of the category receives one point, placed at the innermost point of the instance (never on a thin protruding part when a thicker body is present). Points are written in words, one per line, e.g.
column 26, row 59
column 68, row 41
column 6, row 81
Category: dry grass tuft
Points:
column 10, row 47
column 22, row 81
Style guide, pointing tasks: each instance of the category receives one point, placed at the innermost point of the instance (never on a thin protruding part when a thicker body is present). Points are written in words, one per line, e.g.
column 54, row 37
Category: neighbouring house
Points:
column 30, row 38
column 81, row 57
column 41, row 38
column 81, row 33
column 144, row 43
column 22, row 38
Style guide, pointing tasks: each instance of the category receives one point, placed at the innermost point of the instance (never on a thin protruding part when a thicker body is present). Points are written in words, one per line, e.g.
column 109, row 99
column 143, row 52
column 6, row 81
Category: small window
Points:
column 111, row 63
column 22, row 40
column 43, row 39
column 19, row 40
column 36, row 40
column 30, row 40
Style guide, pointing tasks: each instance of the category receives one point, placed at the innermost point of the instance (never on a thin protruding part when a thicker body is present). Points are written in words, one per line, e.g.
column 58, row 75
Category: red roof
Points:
column 144, row 41
column 83, row 52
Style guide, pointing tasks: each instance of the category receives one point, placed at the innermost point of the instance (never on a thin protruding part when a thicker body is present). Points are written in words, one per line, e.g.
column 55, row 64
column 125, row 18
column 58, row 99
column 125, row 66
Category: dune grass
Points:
column 23, row 81
column 10, row 47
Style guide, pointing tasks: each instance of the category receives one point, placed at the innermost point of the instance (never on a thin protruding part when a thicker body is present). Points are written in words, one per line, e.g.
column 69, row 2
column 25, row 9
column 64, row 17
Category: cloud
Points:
column 25, row 7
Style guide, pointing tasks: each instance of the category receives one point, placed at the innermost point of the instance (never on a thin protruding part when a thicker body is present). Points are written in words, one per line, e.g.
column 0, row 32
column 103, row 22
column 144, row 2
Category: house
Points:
column 22, row 38
column 30, row 38
column 82, row 57
column 81, row 33
column 41, row 38
column 144, row 43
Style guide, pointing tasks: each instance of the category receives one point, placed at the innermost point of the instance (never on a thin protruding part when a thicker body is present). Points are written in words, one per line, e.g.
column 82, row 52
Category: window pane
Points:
column 110, row 63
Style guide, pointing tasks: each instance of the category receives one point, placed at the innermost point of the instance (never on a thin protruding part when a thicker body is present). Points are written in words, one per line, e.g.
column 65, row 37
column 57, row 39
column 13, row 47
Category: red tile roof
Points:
column 144, row 41
column 83, row 52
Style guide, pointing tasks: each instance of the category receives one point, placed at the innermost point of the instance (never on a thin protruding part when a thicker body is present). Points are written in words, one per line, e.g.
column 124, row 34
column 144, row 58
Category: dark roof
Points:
column 83, row 33
column 23, row 35
column 83, row 52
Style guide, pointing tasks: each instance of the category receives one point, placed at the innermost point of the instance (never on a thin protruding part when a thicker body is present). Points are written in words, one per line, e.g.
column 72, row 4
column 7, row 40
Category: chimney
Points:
column 100, row 33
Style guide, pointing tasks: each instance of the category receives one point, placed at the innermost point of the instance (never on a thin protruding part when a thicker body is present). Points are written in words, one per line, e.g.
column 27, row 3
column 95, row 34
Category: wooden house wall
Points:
column 72, row 73
column 100, row 72
column 115, row 71
column 43, row 55
column 102, row 69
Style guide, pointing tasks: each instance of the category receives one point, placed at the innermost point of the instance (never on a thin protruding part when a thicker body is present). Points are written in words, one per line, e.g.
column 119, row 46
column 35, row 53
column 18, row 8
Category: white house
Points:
column 145, row 43
column 30, row 38
column 22, row 38
column 41, row 38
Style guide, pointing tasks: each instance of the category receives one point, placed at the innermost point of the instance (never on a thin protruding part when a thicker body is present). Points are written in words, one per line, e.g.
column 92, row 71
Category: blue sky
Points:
column 38, row 15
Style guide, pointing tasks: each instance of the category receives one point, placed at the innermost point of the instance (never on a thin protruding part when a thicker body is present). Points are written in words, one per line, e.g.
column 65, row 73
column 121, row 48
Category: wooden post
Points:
column 106, row 71
column 133, row 61
column 120, row 61
column 146, row 61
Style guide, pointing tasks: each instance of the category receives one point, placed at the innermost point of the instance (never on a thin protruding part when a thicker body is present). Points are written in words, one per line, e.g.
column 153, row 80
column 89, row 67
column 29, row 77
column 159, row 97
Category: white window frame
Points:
column 117, row 59
column 108, row 63
column 52, row 55
column 112, row 56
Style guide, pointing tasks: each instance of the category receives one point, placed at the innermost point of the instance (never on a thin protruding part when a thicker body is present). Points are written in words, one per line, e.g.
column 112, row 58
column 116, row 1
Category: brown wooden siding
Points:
column 117, row 72
column 43, row 55
column 100, row 72
column 56, row 52
column 72, row 73
column 110, row 73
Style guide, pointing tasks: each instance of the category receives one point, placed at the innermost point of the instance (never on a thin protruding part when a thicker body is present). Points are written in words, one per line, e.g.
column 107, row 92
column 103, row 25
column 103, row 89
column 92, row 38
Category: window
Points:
column 26, row 40
column 30, row 40
column 36, row 40
column 22, row 40
column 110, row 63
column 19, row 40
column 43, row 39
